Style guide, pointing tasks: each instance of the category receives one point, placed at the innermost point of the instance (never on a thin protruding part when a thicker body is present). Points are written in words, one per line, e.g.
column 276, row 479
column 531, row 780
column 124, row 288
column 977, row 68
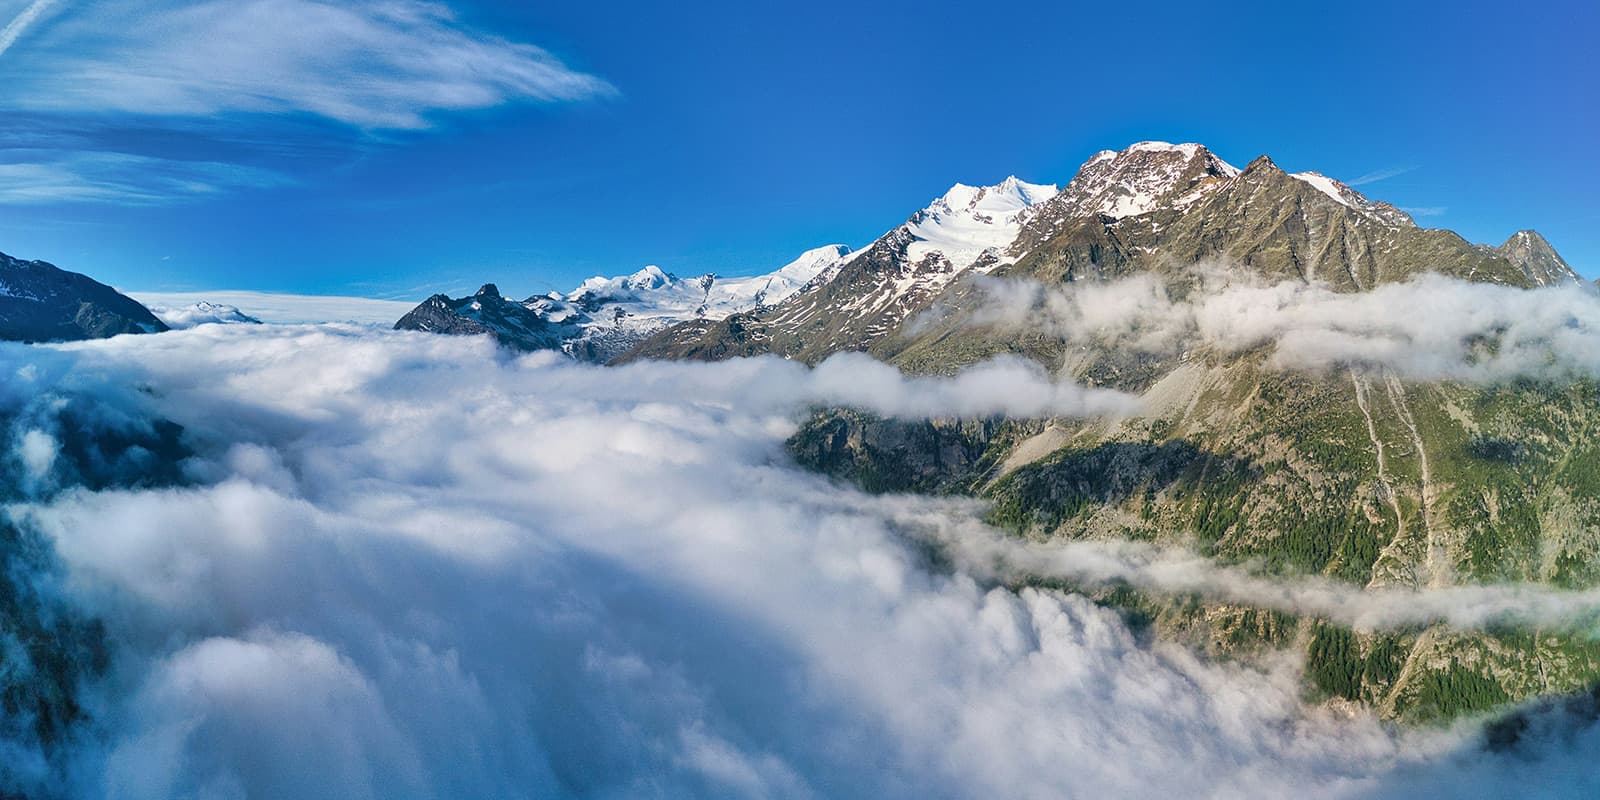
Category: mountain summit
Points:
column 1539, row 262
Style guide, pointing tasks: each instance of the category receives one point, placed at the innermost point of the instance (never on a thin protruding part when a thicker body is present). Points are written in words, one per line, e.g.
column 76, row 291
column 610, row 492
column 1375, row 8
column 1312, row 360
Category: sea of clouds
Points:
column 404, row 565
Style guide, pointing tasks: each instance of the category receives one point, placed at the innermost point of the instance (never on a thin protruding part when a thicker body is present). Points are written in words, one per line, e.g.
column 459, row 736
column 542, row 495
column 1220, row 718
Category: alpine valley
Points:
column 1350, row 472
column 1355, row 473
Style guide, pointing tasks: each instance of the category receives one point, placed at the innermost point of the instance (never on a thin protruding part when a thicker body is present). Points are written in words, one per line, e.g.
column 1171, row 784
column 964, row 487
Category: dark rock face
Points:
column 40, row 302
column 883, row 455
column 56, row 652
column 511, row 324
column 438, row 314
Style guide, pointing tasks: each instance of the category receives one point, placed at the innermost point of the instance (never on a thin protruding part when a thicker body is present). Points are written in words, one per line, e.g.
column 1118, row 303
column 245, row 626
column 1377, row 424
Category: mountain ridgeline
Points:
column 606, row 317
column 1153, row 208
column 1357, row 475
column 41, row 302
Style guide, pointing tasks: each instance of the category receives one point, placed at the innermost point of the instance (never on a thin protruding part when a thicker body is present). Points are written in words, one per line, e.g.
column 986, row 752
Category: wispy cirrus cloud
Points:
column 18, row 24
column 149, row 102
column 38, row 178
column 380, row 64
column 1380, row 175
column 1425, row 211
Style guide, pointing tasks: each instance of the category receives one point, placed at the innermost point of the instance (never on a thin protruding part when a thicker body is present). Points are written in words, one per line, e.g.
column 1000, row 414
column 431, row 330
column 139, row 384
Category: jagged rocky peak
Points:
column 1530, row 252
column 1262, row 180
column 1117, row 184
column 512, row 324
column 1262, row 164
column 1142, row 178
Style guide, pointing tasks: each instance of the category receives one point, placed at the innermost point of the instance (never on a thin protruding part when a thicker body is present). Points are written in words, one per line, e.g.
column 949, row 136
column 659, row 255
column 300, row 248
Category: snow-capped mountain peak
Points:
column 968, row 221
column 1007, row 197
column 651, row 277
column 610, row 314
column 647, row 279
column 809, row 266
column 203, row 312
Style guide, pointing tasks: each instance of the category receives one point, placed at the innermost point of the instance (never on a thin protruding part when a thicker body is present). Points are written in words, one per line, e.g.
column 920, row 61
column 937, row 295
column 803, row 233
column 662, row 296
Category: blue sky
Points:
column 395, row 148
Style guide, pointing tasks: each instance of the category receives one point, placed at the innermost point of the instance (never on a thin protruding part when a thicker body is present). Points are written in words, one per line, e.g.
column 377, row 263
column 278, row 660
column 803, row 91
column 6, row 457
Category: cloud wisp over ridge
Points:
column 1428, row 328
column 1380, row 175
column 985, row 551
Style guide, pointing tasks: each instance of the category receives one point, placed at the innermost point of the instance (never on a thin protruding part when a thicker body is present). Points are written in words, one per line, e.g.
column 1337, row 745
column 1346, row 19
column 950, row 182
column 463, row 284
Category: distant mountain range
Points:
column 605, row 317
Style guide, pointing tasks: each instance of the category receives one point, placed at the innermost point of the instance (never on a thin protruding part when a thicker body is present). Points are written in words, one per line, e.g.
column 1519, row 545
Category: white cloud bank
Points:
column 281, row 308
column 418, row 567
column 377, row 64
column 1429, row 328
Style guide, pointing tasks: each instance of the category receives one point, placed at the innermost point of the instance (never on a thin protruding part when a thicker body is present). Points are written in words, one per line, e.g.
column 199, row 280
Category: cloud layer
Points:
column 412, row 566
column 984, row 551
column 1428, row 328
column 285, row 308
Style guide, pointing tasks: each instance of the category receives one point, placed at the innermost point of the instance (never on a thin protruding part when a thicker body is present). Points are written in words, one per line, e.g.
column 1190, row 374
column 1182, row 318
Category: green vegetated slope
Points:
column 1354, row 476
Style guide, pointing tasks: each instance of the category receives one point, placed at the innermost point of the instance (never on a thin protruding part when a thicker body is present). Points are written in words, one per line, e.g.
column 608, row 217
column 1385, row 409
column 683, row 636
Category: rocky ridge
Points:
column 40, row 302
